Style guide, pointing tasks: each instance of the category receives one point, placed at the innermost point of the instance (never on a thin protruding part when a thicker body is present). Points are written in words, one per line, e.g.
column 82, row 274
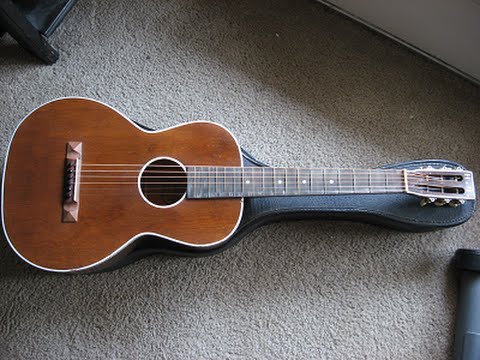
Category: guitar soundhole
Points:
column 163, row 182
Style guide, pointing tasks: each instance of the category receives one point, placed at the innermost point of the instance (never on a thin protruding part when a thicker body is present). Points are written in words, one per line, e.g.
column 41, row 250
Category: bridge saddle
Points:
column 73, row 162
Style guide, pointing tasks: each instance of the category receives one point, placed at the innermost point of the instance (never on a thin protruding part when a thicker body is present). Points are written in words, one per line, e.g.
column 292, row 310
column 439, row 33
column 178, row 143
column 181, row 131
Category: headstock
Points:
column 440, row 186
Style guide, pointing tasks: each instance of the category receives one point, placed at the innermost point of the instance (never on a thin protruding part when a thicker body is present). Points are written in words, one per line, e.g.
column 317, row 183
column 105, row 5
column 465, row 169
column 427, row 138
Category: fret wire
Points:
column 209, row 184
column 298, row 182
column 274, row 182
column 312, row 184
column 243, row 179
column 285, row 181
column 324, row 182
column 194, row 183
column 353, row 182
column 234, row 189
column 369, row 181
column 339, row 186
column 263, row 180
column 224, row 180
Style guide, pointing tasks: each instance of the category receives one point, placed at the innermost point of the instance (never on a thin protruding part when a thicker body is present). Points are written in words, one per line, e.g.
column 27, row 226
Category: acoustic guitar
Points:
column 84, row 188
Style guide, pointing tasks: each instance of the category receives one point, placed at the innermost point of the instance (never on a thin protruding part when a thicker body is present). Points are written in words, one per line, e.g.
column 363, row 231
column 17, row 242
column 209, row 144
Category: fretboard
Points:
column 226, row 182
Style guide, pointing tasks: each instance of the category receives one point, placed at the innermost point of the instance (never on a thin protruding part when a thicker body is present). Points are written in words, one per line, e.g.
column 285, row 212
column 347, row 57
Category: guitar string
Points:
column 253, row 181
column 227, row 183
column 316, row 191
column 249, row 181
column 255, row 170
column 268, row 178
column 260, row 172
column 249, row 177
column 317, row 188
column 248, row 173
column 253, row 173
column 176, row 165
column 241, row 195
column 264, row 193
column 270, row 191
column 245, row 167
column 266, row 167
column 252, row 169
column 246, row 194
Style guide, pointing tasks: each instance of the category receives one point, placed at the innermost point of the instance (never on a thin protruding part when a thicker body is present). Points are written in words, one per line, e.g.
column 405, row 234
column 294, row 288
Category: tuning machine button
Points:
column 441, row 202
column 456, row 202
column 426, row 201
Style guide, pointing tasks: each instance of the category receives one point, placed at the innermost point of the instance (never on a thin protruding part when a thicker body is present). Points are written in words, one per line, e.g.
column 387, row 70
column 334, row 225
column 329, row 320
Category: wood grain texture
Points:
column 107, row 219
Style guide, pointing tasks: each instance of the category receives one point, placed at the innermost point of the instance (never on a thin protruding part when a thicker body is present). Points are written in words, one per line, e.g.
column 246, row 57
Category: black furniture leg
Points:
column 21, row 30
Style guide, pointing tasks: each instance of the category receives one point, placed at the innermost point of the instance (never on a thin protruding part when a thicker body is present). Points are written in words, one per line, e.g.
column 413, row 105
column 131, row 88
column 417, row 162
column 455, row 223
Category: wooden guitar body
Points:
column 108, row 220
column 86, row 189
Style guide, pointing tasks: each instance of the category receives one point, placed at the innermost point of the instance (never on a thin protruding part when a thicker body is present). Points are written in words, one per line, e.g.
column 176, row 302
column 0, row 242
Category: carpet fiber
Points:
column 300, row 86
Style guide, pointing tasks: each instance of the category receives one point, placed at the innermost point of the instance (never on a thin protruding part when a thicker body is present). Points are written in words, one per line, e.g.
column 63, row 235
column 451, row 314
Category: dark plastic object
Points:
column 467, row 328
column 30, row 22
column 45, row 15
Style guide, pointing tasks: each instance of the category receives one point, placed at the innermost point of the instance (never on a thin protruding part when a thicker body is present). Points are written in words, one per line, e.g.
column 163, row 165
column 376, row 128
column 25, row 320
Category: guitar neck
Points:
column 229, row 182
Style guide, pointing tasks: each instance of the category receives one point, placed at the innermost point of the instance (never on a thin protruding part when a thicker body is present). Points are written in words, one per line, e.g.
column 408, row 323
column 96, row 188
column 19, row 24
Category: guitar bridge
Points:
column 71, row 179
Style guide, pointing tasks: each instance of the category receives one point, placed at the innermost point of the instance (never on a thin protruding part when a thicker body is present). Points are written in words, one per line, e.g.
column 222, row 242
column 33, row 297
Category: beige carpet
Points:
column 299, row 85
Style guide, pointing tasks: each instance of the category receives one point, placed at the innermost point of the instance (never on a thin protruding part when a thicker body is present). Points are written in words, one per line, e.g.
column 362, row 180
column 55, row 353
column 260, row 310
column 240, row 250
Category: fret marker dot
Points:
column 331, row 181
column 247, row 182
column 304, row 181
column 279, row 181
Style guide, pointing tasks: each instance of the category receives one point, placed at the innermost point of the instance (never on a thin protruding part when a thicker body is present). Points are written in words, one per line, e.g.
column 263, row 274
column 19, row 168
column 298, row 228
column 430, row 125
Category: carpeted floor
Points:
column 299, row 86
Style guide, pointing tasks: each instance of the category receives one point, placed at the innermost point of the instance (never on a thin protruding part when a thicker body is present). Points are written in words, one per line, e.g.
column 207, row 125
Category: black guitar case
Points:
column 397, row 211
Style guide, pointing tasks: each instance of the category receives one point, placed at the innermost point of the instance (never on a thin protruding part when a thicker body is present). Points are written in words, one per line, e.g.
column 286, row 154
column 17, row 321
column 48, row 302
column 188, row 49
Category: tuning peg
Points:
column 426, row 201
column 455, row 203
column 441, row 202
